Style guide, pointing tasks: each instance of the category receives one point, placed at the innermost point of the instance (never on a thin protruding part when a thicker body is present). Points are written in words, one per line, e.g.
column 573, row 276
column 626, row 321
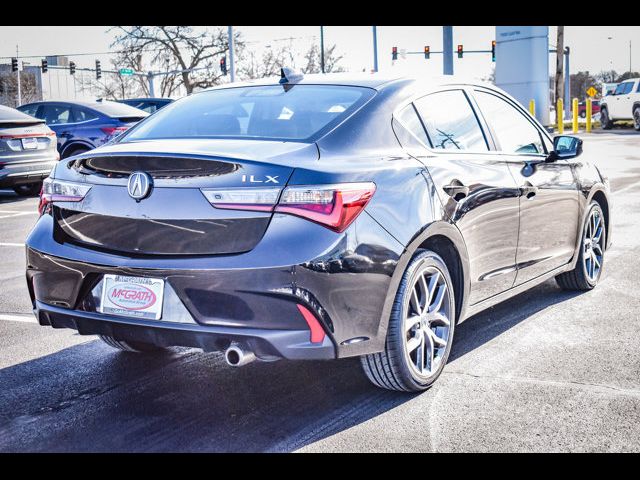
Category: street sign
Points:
column 126, row 71
column 592, row 92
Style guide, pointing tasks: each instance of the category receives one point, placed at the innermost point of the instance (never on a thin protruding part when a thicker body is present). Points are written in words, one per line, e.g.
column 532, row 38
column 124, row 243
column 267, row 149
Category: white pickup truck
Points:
column 622, row 104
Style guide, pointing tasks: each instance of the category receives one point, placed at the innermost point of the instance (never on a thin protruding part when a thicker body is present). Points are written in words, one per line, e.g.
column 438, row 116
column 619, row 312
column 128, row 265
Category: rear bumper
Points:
column 18, row 173
column 290, row 344
column 252, row 296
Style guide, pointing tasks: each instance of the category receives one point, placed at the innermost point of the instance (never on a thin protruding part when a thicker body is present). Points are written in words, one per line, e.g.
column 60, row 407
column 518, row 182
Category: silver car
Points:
column 27, row 151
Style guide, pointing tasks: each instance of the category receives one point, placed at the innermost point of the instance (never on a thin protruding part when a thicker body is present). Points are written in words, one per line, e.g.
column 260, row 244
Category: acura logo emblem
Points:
column 139, row 185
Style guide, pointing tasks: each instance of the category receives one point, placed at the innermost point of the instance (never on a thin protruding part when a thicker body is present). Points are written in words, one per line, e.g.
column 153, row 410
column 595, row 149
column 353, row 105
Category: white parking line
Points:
column 19, row 214
column 24, row 318
column 7, row 244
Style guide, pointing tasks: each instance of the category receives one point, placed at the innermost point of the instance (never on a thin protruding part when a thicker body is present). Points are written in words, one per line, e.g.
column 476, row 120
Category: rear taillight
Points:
column 261, row 199
column 59, row 191
column 112, row 131
column 334, row 206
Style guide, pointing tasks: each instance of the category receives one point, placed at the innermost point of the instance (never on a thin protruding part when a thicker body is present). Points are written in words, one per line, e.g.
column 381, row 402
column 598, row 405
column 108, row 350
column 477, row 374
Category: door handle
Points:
column 528, row 190
column 456, row 190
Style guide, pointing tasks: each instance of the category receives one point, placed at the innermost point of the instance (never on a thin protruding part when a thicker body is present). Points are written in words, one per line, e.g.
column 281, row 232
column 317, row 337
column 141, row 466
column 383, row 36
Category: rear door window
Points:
column 410, row 127
column 83, row 115
column 450, row 121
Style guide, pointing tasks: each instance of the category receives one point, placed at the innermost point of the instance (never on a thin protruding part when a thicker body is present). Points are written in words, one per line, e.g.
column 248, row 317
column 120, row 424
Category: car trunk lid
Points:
column 175, row 218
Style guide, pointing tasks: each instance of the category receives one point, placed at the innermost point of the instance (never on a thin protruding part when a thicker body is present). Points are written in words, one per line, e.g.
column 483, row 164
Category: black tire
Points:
column 74, row 151
column 132, row 347
column 583, row 114
column 605, row 121
column 390, row 368
column 577, row 279
column 28, row 189
column 636, row 119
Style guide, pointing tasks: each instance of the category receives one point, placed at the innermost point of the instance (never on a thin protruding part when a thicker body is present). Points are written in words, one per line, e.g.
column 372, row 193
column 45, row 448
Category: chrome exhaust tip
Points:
column 236, row 356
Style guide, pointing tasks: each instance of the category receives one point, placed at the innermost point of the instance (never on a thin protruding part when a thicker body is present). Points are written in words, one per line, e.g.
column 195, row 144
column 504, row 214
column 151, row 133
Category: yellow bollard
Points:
column 589, row 112
column 532, row 107
column 575, row 115
column 560, row 116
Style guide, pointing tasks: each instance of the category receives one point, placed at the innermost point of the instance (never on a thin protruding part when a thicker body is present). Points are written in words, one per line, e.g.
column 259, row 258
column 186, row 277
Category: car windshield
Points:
column 295, row 113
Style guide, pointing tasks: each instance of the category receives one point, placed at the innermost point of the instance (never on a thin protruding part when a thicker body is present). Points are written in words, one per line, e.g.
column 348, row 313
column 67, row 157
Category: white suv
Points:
column 622, row 104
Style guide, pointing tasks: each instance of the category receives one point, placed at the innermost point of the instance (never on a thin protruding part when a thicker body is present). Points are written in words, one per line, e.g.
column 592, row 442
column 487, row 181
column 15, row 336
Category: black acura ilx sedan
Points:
column 316, row 217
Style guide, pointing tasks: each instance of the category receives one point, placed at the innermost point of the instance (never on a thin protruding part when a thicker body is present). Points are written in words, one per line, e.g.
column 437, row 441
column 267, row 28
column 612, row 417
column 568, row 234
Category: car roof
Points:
column 376, row 81
column 8, row 114
column 150, row 99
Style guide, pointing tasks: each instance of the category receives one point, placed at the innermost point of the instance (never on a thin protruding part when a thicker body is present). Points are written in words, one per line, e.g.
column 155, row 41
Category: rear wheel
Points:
column 28, row 189
column 420, row 329
column 636, row 119
column 128, row 346
column 605, row 121
column 588, row 269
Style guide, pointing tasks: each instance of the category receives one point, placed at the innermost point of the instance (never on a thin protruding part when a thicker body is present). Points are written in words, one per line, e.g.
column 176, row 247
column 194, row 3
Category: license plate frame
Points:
column 132, row 297
column 30, row 143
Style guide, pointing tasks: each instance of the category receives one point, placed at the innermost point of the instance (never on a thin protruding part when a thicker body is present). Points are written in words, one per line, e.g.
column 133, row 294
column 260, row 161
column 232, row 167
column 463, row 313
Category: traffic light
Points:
column 493, row 51
column 72, row 68
column 427, row 52
column 45, row 65
column 459, row 51
column 14, row 64
column 394, row 53
column 98, row 70
column 223, row 65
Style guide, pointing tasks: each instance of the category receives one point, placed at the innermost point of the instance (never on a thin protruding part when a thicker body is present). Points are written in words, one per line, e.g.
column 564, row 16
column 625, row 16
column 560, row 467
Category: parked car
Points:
column 27, row 151
column 317, row 217
column 582, row 108
column 622, row 104
column 81, row 126
column 149, row 105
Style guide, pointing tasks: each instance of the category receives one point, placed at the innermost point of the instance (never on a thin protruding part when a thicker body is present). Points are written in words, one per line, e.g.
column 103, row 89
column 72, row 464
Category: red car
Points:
column 582, row 108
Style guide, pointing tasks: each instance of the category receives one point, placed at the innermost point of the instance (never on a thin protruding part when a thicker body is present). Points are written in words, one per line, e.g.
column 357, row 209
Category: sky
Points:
column 591, row 48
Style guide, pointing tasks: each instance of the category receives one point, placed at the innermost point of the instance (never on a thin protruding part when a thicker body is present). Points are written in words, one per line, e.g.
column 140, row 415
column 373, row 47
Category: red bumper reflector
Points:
column 317, row 332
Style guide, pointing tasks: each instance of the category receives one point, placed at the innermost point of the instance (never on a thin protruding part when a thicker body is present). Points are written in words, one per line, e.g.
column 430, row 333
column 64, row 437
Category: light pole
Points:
column 321, row 48
column 375, row 49
column 611, row 38
column 232, row 69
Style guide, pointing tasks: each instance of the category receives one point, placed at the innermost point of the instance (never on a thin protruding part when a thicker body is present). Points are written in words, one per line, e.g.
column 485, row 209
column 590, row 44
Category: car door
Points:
column 476, row 189
column 549, row 203
column 58, row 117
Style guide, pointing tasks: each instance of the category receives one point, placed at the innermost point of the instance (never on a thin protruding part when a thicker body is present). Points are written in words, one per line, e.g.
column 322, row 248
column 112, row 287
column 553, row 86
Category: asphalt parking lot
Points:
column 546, row 371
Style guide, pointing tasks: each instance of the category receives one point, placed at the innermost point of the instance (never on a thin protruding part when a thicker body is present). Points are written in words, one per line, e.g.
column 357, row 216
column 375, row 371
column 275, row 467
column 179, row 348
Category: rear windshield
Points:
column 294, row 113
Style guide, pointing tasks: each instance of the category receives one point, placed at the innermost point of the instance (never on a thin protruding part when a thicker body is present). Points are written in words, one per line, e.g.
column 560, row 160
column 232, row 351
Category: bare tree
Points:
column 331, row 60
column 177, row 48
column 272, row 59
column 9, row 88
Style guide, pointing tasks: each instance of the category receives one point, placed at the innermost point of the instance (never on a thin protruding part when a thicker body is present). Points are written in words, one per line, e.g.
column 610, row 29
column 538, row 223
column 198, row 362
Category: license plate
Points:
column 138, row 297
column 29, row 143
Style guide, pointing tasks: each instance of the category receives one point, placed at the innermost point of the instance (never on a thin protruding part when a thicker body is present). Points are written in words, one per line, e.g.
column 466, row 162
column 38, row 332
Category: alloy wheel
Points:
column 427, row 321
column 592, row 246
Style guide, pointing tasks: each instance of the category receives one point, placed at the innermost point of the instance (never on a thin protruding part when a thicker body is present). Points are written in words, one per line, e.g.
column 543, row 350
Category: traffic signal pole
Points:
column 447, row 48
column 19, row 82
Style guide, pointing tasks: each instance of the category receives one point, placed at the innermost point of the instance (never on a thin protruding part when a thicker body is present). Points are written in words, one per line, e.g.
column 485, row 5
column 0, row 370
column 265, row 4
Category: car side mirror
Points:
column 565, row 147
